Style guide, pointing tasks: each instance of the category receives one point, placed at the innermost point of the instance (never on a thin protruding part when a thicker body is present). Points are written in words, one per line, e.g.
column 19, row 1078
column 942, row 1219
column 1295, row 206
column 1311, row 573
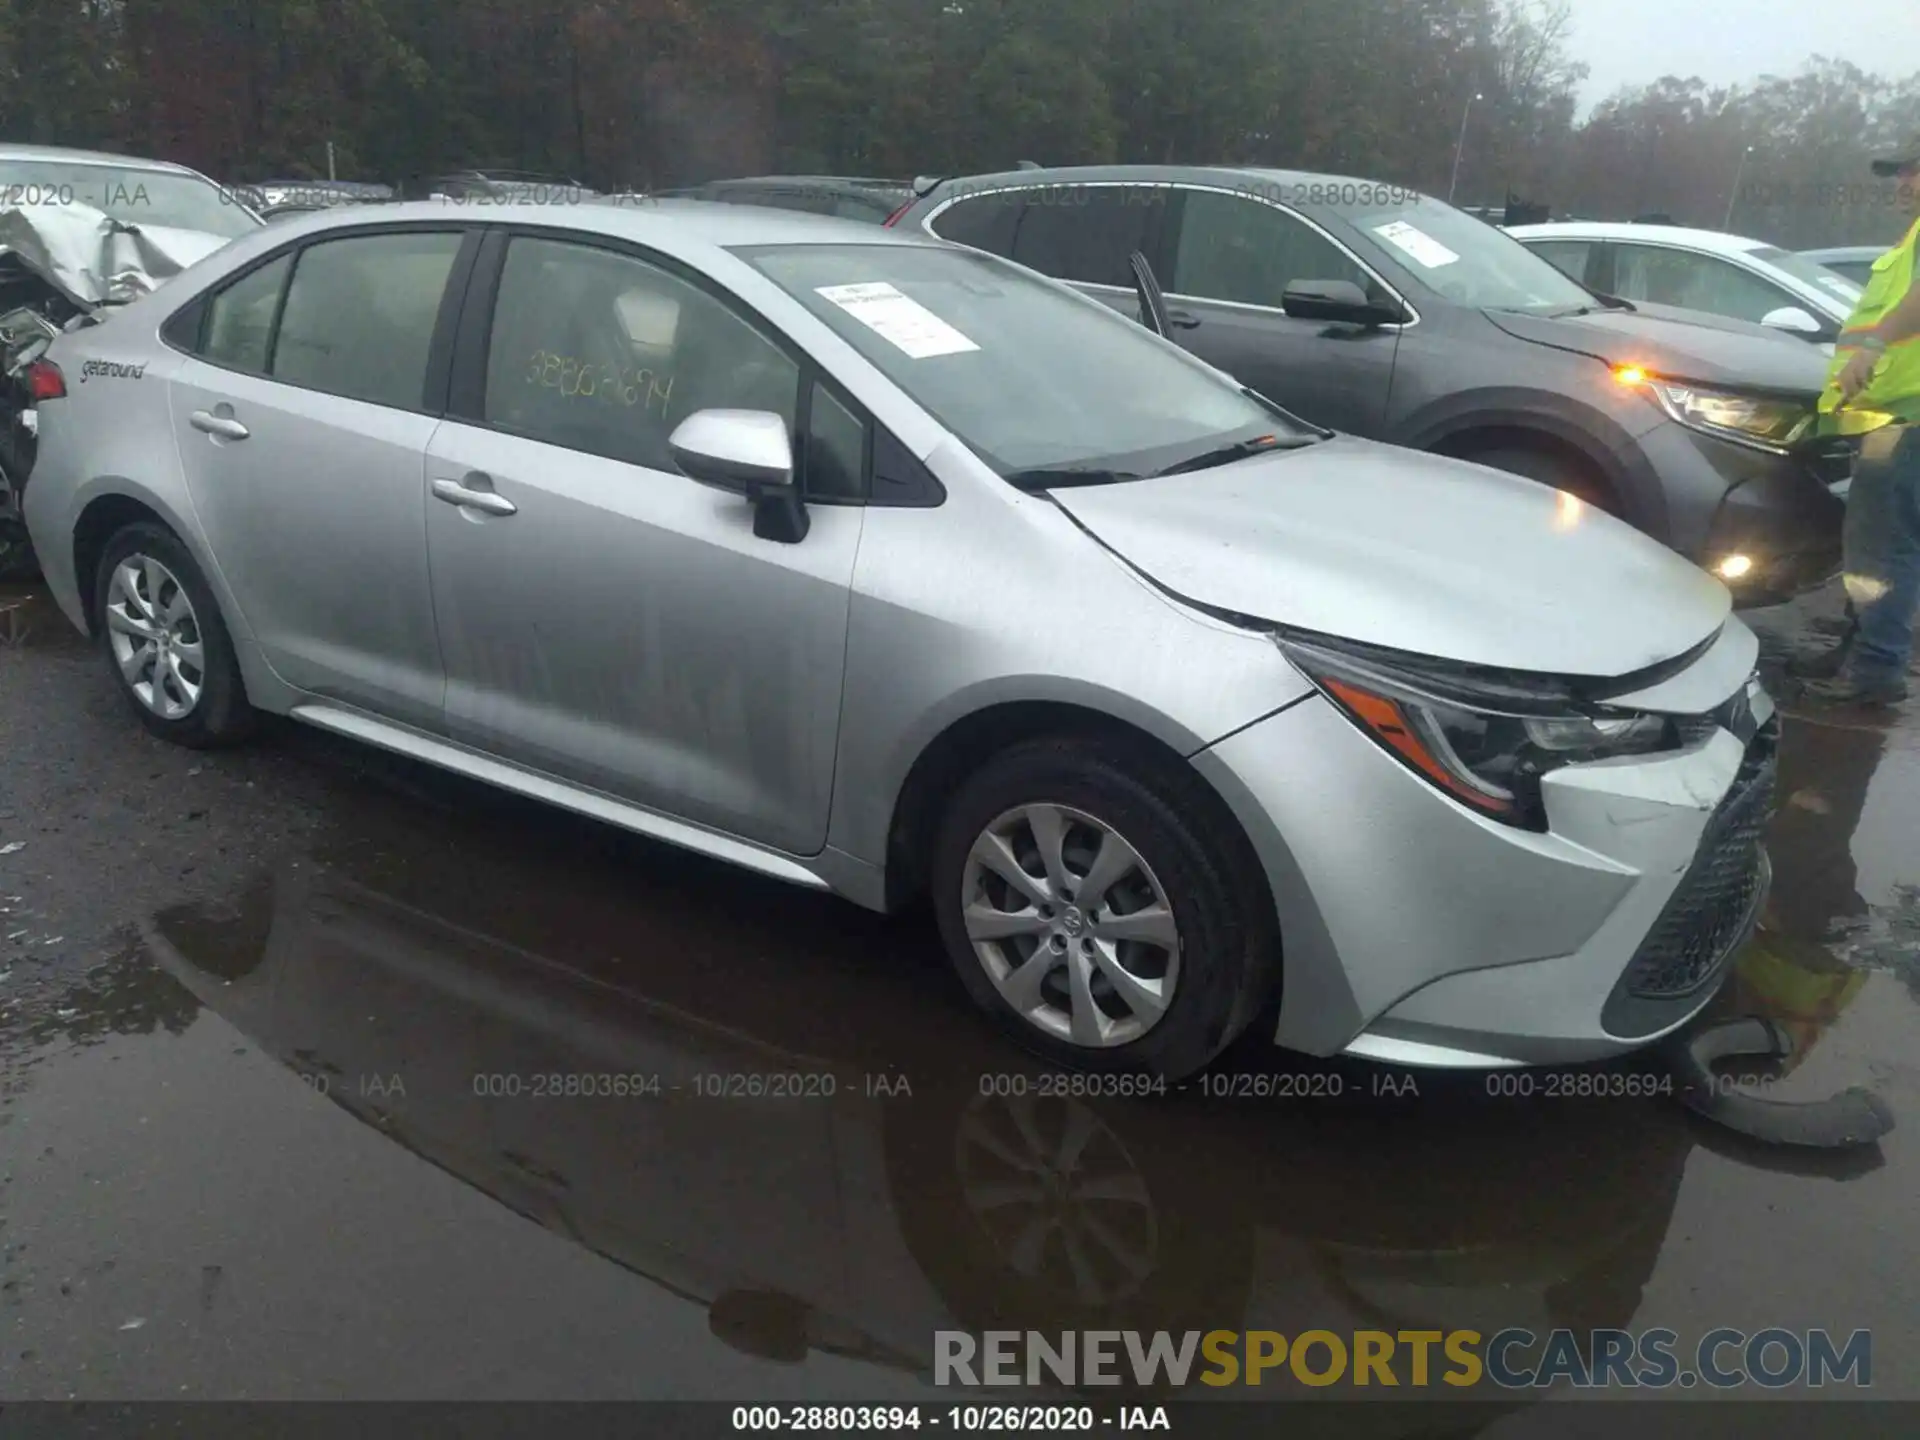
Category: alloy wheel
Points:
column 1059, row 1197
column 1071, row 924
column 155, row 637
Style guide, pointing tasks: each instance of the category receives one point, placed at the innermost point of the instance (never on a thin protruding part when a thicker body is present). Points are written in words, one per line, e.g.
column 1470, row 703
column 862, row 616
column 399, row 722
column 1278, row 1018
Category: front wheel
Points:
column 1098, row 900
column 165, row 640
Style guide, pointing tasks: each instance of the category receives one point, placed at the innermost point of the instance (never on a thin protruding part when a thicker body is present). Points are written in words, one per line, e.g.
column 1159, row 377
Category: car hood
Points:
column 1682, row 344
column 1413, row 552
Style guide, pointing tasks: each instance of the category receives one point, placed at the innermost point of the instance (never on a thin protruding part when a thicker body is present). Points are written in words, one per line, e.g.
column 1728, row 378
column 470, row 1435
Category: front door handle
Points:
column 1183, row 320
column 225, row 426
column 491, row 502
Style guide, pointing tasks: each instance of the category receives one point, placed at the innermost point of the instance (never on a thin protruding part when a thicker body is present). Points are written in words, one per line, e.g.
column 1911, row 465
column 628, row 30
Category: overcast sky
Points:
column 1632, row 42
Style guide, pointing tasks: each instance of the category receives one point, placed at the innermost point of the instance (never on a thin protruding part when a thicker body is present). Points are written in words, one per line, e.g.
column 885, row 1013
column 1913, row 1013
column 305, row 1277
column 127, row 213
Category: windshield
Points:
column 1467, row 260
column 136, row 196
column 1808, row 272
column 1030, row 375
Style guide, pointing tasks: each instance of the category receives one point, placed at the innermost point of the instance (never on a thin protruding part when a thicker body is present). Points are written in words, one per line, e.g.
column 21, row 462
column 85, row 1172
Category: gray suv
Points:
column 1373, row 309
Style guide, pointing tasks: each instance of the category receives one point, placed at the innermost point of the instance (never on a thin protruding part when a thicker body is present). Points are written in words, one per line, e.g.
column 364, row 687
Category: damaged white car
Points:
column 80, row 230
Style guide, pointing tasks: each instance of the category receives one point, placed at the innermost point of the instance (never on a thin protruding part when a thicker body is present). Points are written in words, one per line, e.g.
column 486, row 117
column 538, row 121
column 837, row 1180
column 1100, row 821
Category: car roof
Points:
column 1713, row 241
column 639, row 218
column 10, row 151
column 850, row 182
column 1845, row 252
column 1167, row 174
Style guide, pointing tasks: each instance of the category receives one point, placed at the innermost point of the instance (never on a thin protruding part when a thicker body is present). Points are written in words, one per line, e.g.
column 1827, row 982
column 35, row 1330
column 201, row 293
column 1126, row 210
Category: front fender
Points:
column 1607, row 440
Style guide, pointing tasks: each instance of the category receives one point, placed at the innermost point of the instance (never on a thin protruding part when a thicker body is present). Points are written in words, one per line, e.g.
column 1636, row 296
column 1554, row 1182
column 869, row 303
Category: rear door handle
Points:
column 225, row 426
column 454, row 492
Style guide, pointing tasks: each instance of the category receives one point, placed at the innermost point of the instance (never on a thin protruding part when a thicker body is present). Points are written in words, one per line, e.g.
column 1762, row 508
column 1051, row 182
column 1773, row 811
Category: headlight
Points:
column 1766, row 419
column 1484, row 741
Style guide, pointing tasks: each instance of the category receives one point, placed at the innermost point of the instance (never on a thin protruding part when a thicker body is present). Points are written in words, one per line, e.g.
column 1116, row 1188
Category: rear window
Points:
column 166, row 198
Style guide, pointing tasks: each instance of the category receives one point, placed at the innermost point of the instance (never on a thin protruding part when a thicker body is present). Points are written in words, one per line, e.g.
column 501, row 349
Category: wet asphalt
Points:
column 285, row 1044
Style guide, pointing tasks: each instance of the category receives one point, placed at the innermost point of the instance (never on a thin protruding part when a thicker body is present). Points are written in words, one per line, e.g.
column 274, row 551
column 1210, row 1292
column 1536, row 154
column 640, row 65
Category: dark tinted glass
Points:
column 986, row 222
column 836, row 450
column 1087, row 232
column 1233, row 248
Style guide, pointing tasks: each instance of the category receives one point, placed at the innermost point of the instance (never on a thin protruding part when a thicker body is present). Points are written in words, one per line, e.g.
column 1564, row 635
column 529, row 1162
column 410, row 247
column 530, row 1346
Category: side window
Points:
column 601, row 352
column 1727, row 289
column 360, row 313
column 986, row 222
column 836, row 454
column 1233, row 248
column 1087, row 232
column 1694, row 282
column 1569, row 257
column 240, row 318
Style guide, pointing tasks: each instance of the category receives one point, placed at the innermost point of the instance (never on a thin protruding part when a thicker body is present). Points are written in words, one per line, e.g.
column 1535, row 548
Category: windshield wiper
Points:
column 1607, row 302
column 1059, row 477
column 1239, row 450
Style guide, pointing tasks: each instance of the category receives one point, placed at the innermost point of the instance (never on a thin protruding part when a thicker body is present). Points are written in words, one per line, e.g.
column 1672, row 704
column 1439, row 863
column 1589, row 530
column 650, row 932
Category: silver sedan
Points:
column 893, row 569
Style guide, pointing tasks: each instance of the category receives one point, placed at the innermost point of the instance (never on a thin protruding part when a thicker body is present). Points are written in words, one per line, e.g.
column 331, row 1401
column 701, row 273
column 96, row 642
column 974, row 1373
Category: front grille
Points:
column 1715, row 902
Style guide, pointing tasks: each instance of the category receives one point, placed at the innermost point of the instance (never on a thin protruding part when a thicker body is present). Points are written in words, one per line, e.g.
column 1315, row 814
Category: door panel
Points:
column 623, row 627
column 313, row 493
column 318, row 521
column 1233, row 260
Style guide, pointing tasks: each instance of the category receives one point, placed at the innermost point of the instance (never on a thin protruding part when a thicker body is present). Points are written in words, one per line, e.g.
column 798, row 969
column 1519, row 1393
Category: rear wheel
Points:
column 1098, row 900
column 165, row 640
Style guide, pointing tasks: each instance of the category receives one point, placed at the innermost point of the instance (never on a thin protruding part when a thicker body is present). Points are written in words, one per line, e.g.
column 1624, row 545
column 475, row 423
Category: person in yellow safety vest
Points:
column 1873, row 391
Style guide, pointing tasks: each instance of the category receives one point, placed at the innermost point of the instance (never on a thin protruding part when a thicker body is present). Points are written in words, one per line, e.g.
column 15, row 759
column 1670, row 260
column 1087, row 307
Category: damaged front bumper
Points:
column 1417, row 932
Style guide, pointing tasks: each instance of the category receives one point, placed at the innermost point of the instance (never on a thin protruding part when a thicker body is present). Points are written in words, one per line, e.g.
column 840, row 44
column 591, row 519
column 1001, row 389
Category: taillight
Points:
column 45, row 382
column 889, row 222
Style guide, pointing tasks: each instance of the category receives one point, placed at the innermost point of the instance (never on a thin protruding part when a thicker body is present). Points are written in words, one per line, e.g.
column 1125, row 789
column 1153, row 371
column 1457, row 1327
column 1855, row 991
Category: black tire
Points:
column 1228, row 934
column 221, row 716
column 17, row 560
column 1547, row 468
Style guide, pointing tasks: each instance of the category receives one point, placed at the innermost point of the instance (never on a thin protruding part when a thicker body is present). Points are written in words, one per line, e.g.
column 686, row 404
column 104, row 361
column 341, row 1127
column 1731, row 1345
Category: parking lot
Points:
column 323, row 1074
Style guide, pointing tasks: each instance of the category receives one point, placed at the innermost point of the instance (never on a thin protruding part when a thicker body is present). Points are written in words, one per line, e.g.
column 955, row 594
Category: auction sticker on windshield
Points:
column 1421, row 247
column 898, row 318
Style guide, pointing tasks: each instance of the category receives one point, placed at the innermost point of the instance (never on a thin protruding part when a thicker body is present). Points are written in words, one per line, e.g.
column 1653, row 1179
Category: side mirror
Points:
column 1792, row 317
column 746, row 453
column 1340, row 301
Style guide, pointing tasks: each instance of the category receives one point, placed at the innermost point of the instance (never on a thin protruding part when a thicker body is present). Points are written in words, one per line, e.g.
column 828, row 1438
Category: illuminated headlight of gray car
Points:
column 1774, row 421
column 1485, row 738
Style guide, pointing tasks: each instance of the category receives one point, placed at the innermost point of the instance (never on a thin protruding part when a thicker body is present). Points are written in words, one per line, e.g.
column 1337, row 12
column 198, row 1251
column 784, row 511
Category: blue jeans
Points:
column 1882, row 559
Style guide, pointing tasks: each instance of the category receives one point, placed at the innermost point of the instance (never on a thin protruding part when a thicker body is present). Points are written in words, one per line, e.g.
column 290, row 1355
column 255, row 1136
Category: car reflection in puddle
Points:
column 768, row 1103
column 602, row 1059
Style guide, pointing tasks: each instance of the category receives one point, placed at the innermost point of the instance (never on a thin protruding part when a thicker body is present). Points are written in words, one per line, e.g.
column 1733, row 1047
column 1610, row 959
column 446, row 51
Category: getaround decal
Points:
column 111, row 370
